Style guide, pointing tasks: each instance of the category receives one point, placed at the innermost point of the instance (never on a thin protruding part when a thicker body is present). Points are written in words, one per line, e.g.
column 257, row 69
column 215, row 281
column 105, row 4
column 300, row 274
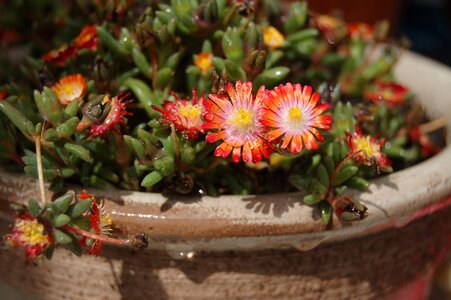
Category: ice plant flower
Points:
column 61, row 55
column 69, row 88
column 116, row 115
column 29, row 233
column 186, row 115
column 272, row 38
column 100, row 223
column 236, row 115
column 362, row 31
column 294, row 115
column 204, row 62
column 391, row 93
column 87, row 39
column 367, row 150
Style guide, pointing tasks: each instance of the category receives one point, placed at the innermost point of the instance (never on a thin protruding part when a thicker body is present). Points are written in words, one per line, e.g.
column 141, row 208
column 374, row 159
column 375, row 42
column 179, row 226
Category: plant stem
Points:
column 433, row 125
column 37, row 140
column 341, row 164
column 176, row 147
column 135, row 242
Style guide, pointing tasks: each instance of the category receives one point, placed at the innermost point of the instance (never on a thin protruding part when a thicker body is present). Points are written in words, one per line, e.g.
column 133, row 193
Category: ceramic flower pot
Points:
column 259, row 247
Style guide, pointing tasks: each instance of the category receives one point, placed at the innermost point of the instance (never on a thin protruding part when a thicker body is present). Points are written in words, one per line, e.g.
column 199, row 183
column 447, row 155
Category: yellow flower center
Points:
column 191, row 112
column 243, row 119
column 364, row 144
column 204, row 61
column 295, row 114
column 272, row 37
column 68, row 89
column 32, row 232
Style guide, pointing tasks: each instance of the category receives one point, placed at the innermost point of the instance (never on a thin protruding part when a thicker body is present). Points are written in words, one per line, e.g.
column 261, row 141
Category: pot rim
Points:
column 181, row 224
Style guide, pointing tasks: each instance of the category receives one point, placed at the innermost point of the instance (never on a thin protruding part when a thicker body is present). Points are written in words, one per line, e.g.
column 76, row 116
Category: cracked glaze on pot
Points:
column 272, row 221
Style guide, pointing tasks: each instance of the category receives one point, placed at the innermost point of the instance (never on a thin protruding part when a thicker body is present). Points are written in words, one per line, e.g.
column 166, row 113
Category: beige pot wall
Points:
column 198, row 246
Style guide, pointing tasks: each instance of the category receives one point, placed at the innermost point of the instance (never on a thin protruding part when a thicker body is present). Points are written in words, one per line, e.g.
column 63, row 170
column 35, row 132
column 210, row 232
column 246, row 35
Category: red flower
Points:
column 389, row 92
column 69, row 88
column 184, row 114
column 236, row 117
column 295, row 113
column 3, row 95
column 30, row 234
column 116, row 115
column 60, row 56
column 100, row 223
column 368, row 151
column 87, row 39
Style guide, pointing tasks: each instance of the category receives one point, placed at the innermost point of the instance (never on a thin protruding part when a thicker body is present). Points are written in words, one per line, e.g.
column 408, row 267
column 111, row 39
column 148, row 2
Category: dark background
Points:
column 425, row 23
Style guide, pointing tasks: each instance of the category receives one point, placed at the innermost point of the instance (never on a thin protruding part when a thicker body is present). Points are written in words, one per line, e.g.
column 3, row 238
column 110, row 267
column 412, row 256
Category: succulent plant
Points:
column 212, row 97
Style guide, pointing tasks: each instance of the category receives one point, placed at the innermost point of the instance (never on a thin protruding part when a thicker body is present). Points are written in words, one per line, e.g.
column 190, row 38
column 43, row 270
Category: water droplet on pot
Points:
column 180, row 252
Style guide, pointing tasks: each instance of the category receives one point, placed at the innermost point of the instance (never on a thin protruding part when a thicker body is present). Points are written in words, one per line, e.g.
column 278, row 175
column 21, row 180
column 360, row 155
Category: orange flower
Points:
column 272, row 38
column 184, row 114
column 61, row 55
column 236, row 117
column 29, row 233
column 389, row 92
column 368, row 151
column 204, row 62
column 69, row 88
column 294, row 113
column 87, row 39
column 362, row 31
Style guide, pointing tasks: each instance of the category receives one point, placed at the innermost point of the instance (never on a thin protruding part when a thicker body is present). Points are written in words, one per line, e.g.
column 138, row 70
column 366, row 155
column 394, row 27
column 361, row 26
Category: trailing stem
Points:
column 137, row 242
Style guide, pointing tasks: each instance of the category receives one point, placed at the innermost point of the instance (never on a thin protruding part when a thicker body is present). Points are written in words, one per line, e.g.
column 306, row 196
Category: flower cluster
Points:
column 252, row 127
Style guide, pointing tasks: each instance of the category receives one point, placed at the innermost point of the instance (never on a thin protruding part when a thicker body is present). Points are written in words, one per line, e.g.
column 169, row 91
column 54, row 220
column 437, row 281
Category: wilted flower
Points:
column 69, row 88
column 293, row 113
column 116, row 115
column 349, row 209
column 332, row 28
column 87, row 39
column 272, row 38
column 236, row 115
column 391, row 93
column 368, row 151
column 186, row 115
column 204, row 61
column 61, row 55
column 30, row 234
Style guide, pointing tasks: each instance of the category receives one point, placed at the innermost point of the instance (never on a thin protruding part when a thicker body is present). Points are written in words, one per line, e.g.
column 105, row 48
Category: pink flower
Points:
column 236, row 116
column 294, row 115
